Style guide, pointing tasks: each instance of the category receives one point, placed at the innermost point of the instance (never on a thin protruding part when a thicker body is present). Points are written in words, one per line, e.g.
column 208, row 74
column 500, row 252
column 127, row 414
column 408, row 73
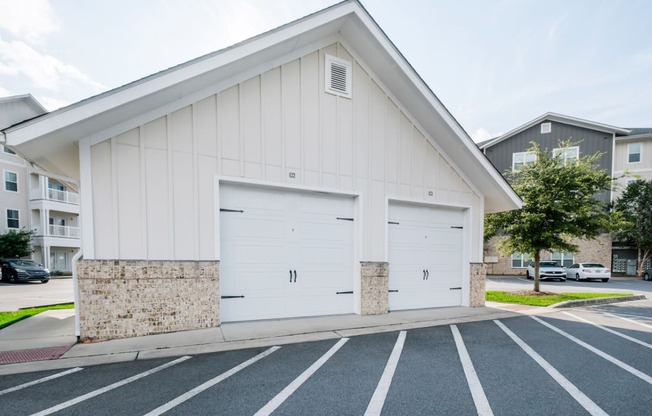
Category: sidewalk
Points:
column 47, row 341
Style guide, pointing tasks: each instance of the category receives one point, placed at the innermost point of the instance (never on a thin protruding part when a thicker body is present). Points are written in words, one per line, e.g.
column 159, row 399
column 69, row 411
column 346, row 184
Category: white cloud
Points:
column 481, row 135
column 28, row 19
column 51, row 103
column 4, row 92
column 43, row 70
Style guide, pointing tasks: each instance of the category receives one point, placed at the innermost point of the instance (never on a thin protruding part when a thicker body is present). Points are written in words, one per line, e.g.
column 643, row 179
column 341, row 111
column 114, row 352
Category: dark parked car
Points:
column 23, row 270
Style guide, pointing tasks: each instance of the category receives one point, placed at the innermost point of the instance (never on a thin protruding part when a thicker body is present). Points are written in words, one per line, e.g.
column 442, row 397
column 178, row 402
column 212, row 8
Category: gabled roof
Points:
column 559, row 118
column 126, row 107
column 28, row 101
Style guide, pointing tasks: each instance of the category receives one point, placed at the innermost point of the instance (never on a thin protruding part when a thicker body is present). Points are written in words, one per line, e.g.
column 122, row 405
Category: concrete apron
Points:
column 49, row 330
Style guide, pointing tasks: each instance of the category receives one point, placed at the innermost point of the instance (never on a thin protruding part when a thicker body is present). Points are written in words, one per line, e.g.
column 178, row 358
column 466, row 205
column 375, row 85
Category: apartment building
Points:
column 36, row 200
column 626, row 155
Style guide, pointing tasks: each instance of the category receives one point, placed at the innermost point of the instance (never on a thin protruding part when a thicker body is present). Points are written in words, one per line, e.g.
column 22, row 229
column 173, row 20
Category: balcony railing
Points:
column 63, row 231
column 56, row 195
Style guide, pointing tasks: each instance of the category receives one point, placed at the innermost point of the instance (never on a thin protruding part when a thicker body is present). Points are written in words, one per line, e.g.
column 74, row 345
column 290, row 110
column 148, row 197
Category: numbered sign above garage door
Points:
column 425, row 253
column 284, row 253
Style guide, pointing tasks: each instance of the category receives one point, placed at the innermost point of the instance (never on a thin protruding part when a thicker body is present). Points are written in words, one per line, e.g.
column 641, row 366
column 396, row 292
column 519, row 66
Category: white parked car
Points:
column 588, row 271
column 547, row 270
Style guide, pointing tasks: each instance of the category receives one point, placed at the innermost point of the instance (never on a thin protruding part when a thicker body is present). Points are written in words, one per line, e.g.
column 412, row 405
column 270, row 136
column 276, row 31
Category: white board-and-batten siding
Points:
column 153, row 187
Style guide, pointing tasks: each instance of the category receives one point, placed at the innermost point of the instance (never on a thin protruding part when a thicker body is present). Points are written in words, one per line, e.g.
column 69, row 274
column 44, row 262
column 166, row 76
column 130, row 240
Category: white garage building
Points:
column 306, row 171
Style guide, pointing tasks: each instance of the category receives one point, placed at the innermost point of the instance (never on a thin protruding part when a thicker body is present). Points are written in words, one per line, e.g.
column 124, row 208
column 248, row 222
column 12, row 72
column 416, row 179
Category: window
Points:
column 546, row 128
column 633, row 153
column 13, row 220
column 568, row 154
column 8, row 150
column 520, row 260
column 523, row 159
column 563, row 259
column 11, row 181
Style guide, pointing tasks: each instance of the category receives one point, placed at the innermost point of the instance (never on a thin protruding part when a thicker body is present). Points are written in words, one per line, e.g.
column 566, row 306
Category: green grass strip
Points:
column 8, row 318
column 545, row 300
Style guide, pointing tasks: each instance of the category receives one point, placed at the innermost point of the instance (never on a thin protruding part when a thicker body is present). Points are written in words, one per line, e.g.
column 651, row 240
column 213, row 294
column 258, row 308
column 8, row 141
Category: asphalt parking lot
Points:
column 593, row 360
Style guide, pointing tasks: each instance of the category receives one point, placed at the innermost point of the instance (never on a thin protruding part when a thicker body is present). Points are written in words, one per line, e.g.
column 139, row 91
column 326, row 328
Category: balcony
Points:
column 63, row 231
column 55, row 195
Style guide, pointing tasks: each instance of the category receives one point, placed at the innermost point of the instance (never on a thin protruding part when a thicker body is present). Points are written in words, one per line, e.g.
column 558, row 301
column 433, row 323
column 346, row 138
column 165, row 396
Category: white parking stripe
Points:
column 574, row 392
column 602, row 354
column 477, row 392
column 292, row 387
column 380, row 394
column 210, row 383
column 41, row 380
column 97, row 392
column 630, row 320
column 627, row 337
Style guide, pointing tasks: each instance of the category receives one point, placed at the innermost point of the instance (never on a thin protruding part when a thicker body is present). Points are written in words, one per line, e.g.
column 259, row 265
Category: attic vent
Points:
column 546, row 128
column 338, row 76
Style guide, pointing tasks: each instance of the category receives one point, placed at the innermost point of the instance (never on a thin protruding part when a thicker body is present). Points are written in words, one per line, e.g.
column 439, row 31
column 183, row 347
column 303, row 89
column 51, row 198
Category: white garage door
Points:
column 284, row 254
column 425, row 256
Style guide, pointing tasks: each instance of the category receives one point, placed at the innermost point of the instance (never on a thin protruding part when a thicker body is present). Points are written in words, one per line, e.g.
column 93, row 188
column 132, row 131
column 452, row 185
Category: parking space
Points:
column 589, row 360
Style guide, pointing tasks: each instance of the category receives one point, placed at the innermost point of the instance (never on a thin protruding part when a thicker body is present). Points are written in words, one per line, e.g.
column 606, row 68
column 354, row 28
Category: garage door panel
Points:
column 425, row 238
column 298, row 233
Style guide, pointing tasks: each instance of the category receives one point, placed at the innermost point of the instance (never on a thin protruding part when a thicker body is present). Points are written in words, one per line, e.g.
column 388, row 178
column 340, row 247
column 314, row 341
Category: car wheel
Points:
column 646, row 276
column 12, row 278
column 577, row 277
column 605, row 280
column 527, row 275
column 562, row 280
column 44, row 281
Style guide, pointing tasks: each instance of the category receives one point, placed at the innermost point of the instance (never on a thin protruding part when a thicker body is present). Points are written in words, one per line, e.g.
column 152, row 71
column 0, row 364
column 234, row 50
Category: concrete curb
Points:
column 597, row 301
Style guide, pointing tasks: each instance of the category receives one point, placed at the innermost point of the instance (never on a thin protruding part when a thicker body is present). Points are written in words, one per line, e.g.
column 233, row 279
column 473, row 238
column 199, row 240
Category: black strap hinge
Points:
column 348, row 292
column 457, row 227
column 392, row 222
column 344, row 219
column 233, row 297
column 456, row 288
column 230, row 210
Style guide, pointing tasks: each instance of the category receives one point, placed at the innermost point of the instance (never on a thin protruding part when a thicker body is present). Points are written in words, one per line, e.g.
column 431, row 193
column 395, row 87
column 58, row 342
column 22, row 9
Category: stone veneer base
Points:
column 478, row 285
column 130, row 298
column 374, row 288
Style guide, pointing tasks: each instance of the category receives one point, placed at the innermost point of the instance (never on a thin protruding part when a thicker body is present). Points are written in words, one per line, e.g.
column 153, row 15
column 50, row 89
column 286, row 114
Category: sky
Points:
column 494, row 64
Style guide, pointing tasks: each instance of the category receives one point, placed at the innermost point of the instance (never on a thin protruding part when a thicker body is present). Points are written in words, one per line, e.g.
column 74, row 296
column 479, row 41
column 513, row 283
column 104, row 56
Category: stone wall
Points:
column 596, row 250
column 374, row 286
column 478, row 281
column 130, row 298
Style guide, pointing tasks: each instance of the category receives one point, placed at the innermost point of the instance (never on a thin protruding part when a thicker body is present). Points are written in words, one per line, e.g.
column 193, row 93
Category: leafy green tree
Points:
column 16, row 244
column 559, row 205
column 632, row 219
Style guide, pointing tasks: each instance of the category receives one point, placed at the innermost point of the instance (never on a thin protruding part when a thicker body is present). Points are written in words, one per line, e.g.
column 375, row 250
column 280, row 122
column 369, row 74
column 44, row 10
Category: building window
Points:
column 11, row 181
column 633, row 153
column 567, row 154
column 13, row 218
column 546, row 128
column 563, row 259
column 523, row 159
column 8, row 150
column 520, row 260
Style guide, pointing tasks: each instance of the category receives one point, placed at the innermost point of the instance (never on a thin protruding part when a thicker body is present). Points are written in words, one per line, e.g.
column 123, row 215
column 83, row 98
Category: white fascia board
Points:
column 434, row 102
column 130, row 92
column 186, row 100
column 634, row 137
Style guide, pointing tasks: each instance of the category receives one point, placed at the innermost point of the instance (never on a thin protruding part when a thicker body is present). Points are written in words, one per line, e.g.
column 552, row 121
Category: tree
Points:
column 16, row 244
column 559, row 205
column 632, row 219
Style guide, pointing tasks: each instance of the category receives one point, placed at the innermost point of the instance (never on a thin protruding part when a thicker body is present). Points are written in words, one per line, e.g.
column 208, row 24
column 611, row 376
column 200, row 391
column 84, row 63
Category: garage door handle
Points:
column 424, row 274
column 290, row 276
column 295, row 276
column 427, row 274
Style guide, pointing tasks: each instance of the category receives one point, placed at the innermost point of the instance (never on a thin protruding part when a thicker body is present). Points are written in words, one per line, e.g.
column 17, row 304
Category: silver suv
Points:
column 547, row 270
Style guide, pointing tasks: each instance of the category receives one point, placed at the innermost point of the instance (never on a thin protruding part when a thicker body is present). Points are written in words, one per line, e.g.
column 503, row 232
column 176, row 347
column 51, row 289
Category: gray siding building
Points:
column 510, row 150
